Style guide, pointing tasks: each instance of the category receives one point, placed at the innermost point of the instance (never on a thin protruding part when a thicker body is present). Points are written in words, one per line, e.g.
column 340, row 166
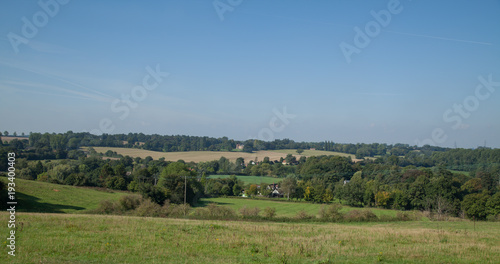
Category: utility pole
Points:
column 185, row 191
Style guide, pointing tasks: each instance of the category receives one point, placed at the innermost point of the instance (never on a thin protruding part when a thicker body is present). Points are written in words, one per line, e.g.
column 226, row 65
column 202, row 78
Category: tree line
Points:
column 451, row 182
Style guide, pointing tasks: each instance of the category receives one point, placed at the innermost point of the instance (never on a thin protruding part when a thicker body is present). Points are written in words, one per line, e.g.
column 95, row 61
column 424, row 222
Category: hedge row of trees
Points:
column 390, row 181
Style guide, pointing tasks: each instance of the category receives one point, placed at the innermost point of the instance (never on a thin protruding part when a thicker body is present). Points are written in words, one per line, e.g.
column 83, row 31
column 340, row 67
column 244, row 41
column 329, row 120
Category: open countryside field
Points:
column 284, row 208
column 309, row 153
column 9, row 138
column 35, row 196
column 251, row 179
column 66, row 238
column 201, row 156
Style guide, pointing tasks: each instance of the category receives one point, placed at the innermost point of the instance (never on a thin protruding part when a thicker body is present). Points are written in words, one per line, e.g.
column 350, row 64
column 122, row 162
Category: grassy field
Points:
column 309, row 153
column 201, row 156
column 66, row 238
column 251, row 179
column 284, row 208
column 34, row 196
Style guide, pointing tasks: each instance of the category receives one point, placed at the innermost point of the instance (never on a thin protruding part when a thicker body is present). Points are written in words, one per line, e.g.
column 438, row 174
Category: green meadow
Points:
column 250, row 179
column 69, row 238
column 284, row 208
column 35, row 196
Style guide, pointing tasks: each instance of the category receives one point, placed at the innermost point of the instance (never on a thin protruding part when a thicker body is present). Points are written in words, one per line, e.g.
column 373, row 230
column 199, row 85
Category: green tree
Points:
column 289, row 185
column 226, row 190
column 474, row 205
column 493, row 204
column 237, row 189
column 178, row 179
column 299, row 151
column 252, row 190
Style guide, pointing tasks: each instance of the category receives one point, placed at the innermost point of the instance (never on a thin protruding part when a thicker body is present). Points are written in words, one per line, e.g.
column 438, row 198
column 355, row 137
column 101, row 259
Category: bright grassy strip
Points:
column 283, row 208
column 65, row 238
column 250, row 179
column 35, row 196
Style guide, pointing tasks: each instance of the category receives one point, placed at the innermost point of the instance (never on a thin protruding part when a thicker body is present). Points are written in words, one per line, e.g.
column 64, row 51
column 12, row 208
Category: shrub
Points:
column 148, row 208
column 249, row 212
column 269, row 212
column 108, row 207
column 302, row 215
column 212, row 211
column 331, row 213
column 130, row 202
column 408, row 216
column 178, row 210
column 360, row 216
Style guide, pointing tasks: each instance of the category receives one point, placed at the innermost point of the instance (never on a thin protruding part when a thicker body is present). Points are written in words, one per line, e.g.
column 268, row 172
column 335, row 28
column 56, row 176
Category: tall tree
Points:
column 289, row 185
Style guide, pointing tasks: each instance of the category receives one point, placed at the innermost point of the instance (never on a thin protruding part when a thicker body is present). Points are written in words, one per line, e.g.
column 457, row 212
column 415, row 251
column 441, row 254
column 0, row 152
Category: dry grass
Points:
column 9, row 138
column 201, row 156
column 56, row 238
column 195, row 156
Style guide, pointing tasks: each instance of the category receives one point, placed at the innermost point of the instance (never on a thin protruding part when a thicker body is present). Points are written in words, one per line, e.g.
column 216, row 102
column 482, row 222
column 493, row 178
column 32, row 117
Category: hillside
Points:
column 202, row 156
column 35, row 196
column 250, row 179
column 66, row 238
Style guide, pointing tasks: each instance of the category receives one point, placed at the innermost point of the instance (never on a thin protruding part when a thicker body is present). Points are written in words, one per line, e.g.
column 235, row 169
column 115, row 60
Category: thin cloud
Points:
column 48, row 48
column 441, row 38
column 20, row 86
column 52, row 76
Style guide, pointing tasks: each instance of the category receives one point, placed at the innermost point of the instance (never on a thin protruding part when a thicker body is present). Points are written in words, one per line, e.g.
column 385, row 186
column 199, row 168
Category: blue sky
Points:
column 232, row 71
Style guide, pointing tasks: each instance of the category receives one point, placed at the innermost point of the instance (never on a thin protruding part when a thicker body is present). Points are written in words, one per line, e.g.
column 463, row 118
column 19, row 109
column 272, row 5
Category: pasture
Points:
column 35, row 196
column 284, row 208
column 193, row 156
column 202, row 156
column 250, row 179
column 66, row 238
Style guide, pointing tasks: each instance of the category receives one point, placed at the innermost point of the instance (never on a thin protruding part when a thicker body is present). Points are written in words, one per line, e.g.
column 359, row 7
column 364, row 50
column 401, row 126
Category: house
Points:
column 346, row 182
column 240, row 147
column 275, row 190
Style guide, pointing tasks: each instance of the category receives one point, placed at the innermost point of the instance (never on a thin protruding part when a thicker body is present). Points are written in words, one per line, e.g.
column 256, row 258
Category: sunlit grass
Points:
column 63, row 238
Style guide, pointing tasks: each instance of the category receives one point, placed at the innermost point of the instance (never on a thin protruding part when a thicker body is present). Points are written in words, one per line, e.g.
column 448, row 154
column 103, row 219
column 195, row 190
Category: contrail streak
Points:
column 442, row 38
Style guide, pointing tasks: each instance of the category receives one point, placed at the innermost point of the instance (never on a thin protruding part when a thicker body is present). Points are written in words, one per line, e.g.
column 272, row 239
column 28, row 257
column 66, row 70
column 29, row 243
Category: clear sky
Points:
column 347, row 71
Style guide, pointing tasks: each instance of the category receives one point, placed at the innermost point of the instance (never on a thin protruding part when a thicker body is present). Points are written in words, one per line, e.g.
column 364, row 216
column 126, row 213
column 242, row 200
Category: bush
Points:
column 249, row 212
column 212, row 211
column 107, row 207
column 130, row 202
column 302, row 215
column 408, row 216
column 148, row 208
column 269, row 212
column 360, row 216
column 331, row 213
column 179, row 210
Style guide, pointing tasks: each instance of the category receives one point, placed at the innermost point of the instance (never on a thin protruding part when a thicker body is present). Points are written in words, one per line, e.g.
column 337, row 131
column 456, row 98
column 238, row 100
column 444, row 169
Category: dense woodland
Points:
column 457, row 182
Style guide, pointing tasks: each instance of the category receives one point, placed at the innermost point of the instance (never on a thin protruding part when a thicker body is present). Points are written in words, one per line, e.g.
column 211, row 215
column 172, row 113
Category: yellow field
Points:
column 201, row 156
column 9, row 139
column 309, row 153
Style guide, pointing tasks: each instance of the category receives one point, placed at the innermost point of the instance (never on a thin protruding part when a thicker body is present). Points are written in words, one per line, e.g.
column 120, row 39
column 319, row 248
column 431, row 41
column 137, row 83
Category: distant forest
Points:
column 459, row 182
column 66, row 145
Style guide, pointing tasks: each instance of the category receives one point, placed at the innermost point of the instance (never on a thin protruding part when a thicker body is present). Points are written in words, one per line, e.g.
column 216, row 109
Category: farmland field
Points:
column 308, row 153
column 284, row 208
column 251, row 179
column 201, row 156
column 195, row 156
column 66, row 238
column 35, row 196
column 10, row 138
